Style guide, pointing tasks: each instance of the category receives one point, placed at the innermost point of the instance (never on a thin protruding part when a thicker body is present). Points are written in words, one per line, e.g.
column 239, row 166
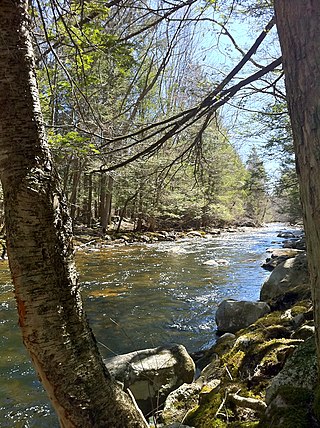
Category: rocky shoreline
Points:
column 260, row 373
column 94, row 238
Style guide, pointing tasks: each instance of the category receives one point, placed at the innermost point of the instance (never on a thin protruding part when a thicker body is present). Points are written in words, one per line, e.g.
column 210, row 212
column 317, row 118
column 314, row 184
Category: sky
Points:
column 218, row 54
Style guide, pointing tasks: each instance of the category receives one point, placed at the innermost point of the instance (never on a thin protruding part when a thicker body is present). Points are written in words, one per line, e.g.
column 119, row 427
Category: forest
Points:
column 168, row 115
column 115, row 82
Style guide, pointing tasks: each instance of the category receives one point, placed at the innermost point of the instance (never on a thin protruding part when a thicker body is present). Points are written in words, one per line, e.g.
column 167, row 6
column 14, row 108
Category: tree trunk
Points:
column 89, row 200
column 51, row 317
column 76, row 175
column 109, row 198
column 105, row 201
column 299, row 33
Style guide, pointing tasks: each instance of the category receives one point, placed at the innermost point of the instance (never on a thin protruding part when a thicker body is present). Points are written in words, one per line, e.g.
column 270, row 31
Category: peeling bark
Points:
column 39, row 238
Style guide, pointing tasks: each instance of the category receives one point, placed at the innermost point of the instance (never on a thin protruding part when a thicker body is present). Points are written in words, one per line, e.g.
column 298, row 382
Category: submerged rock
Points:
column 233, row 315
column 151, row 374
column 285, row 234
column 216, row 262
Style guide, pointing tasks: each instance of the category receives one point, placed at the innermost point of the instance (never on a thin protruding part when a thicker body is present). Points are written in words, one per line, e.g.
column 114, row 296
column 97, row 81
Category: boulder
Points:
column 292, row 407
column 284, row 252
column 233, row 315
column 151, row 374
column 290, row 395
column 271, row 263
column 180, row 402
column 300, row 371
column 286, row 276
column 299, row 244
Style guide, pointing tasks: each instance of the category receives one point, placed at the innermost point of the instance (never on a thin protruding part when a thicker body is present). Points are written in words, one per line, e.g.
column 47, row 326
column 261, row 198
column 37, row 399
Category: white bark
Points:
column 51, row 317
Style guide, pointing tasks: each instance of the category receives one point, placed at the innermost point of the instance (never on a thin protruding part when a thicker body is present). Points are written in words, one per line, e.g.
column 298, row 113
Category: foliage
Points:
column 279, row 144
column 98, row 82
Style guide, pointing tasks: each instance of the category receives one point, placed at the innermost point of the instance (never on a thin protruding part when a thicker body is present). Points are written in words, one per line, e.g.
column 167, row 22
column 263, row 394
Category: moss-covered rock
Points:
column 246, row 363
column 300, row 371
column 290, row 408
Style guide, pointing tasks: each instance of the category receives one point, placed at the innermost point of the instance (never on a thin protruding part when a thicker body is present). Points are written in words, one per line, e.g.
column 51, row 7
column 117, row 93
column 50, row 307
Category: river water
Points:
column 138, row 296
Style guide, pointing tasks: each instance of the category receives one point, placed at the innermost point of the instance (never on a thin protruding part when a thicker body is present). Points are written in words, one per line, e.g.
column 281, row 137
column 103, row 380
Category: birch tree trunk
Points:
column 298, row 23
column 51, row 317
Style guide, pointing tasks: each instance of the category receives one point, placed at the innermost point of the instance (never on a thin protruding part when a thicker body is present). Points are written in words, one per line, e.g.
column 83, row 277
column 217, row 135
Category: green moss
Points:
column 223, row 346
column 204, row 415
column 274, row 318
column 233, row 361
column 298, row 309
column 289, row 409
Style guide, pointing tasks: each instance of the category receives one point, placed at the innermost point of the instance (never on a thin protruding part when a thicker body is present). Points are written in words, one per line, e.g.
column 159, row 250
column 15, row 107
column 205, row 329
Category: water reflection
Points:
column 137, row 296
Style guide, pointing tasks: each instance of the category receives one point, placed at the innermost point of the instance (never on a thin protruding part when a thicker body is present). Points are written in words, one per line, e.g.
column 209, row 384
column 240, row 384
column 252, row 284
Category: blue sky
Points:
column 219, row 56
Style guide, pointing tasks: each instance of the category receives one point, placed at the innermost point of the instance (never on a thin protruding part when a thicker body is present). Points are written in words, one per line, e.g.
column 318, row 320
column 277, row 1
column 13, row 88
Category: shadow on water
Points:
column 138, row 296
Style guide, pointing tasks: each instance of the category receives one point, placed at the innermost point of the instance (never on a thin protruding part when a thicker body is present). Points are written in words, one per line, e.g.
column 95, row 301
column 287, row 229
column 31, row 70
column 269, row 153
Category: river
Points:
column 138, row 296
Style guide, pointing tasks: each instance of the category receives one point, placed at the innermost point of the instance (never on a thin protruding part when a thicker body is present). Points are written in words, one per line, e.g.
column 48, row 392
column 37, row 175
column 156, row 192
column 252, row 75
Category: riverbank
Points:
column 254, row 376
column 263, row 375
column 94, row 238
column 136, row 297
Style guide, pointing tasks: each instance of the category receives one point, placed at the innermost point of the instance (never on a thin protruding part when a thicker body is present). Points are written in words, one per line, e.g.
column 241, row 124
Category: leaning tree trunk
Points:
column 299, row 31
column 51, row 317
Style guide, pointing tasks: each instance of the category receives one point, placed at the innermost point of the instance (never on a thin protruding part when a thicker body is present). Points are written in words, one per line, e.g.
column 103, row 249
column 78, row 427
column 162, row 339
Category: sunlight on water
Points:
column 137, row 296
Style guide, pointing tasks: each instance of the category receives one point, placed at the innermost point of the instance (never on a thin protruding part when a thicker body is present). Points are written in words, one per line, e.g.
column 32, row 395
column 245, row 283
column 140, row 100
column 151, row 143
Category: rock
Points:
column 284, row 277
column 291, row 297
column 272, row 263
column 145, row 238
column 125, row 238
column 299, row 244
column 285, row 252
column 233, row 315
column 273, row 357
column 222, row 345
column 300, row 371
column 176, row 249
column 216, row 262
column 292, row 407
column 194, row 234
column 304, row 332
column 214, row 231
column 151, row 374
column 209, row 389
column 225, row 342
column 180, row 401
column 286, row 235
